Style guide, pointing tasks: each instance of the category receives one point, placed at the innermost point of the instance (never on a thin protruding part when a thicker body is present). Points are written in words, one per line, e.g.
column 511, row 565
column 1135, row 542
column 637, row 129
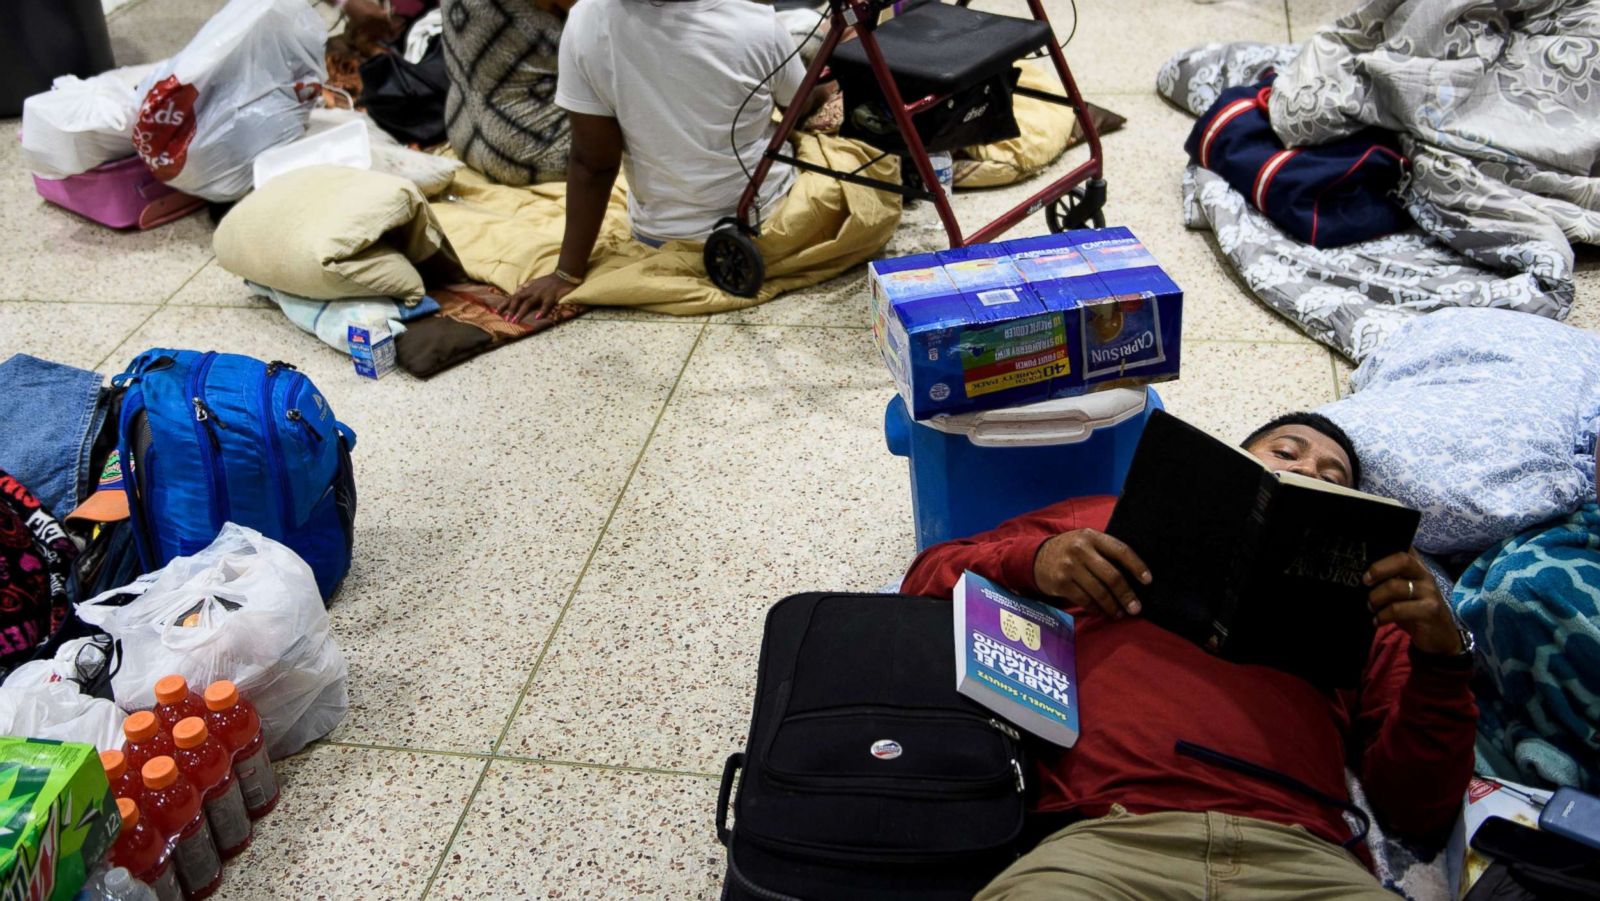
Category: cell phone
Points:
column 1515, row 843
column 1572, row 814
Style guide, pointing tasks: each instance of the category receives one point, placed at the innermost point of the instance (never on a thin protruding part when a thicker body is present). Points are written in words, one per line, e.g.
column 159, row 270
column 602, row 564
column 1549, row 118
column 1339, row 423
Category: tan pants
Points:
column 1159, row 856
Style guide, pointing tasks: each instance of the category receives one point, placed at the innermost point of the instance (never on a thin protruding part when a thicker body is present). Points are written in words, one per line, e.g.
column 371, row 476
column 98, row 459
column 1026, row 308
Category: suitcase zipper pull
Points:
column 1006, row 730
column 1022, row 786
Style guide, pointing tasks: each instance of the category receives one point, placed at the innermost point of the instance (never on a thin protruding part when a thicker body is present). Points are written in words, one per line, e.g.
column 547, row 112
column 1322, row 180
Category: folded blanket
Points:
column 505, row 236
column 1533, row 603
column 1351, row 298
column 330, row 320
column 1496, row 104
column 466, row 325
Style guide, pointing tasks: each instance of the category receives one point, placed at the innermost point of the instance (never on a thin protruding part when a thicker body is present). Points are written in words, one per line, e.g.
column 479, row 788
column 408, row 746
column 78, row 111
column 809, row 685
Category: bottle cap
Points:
column 129, row 812
column 141, row 726
column 118, row 881
column 160, row 772
column 171, row 689
column 115, row 762
column 189, row 733
column 221, row 695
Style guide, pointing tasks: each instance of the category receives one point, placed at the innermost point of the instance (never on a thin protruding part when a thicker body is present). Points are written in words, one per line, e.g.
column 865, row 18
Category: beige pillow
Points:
column 331, row 232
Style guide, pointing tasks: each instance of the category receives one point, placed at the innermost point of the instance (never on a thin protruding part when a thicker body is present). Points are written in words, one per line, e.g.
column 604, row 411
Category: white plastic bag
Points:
column 78, row 125
column 245, row 609
column 429, row 172
column 342, row 145
column 245, row 83
column 57, row 710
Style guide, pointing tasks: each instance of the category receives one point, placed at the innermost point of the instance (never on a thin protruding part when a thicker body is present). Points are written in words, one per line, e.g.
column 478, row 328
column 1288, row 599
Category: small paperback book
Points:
column 1015, row 657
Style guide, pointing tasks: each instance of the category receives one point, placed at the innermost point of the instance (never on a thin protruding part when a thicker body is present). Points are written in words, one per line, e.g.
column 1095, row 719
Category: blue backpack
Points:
column 209, row 438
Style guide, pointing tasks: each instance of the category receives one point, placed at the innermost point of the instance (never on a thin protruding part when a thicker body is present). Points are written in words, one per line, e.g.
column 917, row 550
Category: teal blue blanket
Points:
column 1533, row 602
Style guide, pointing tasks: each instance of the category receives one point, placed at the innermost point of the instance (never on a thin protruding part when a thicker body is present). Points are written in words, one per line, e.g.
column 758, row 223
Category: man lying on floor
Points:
column 1160, row 825
column 682, row 87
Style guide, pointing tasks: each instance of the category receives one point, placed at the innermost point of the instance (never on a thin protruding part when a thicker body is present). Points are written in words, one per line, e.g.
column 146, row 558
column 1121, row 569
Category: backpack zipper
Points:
column 294, row 415
column 206, row 424
column 275, row 465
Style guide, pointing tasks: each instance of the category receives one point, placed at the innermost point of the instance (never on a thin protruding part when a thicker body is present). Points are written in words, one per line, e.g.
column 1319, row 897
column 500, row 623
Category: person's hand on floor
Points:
column 1091, row 569
column 538, row 296
column 1404, row 593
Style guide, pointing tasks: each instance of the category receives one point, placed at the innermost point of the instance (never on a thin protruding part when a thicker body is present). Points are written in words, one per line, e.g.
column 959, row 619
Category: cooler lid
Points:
column 1065, row 420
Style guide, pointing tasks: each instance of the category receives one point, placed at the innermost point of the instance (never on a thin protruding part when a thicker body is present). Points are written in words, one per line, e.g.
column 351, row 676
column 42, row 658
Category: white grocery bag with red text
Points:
column 244, row 84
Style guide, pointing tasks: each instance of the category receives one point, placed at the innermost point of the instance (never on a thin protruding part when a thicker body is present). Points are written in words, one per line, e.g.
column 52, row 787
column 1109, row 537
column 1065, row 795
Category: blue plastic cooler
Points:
column 972, row 472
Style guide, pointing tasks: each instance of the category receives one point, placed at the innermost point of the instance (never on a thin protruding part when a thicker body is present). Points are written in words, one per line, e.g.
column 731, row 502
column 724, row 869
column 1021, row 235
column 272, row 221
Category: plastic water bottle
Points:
column 210, row 767
column 141, row 848
column 235, row 722
column 125, row 781
column 175, row 702
column 944, row 170
column 119, row 885
column 145, row 740
column 173, row 805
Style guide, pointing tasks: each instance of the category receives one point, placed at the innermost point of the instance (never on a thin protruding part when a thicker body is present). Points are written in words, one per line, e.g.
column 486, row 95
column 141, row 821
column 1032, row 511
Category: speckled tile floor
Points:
column 565, row 548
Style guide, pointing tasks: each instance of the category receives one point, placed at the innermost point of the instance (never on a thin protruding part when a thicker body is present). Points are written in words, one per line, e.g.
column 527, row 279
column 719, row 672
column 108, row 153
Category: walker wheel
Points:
column 1076, row 209
column 732, row 260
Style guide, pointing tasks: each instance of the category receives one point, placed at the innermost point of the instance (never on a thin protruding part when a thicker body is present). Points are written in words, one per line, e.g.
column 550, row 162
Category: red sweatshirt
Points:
column 1408, row 731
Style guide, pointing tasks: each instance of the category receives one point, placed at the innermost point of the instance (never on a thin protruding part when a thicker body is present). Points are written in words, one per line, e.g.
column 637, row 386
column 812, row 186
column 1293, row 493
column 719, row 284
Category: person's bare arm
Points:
column 592, row 170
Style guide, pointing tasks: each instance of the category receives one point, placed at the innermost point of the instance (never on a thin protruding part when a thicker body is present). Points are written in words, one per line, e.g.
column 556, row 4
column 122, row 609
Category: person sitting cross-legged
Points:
column 680, row 94
column 1149, row 822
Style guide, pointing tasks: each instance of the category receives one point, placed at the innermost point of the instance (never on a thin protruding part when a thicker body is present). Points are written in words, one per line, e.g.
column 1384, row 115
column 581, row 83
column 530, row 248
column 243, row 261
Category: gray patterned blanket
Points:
column 1496, row 103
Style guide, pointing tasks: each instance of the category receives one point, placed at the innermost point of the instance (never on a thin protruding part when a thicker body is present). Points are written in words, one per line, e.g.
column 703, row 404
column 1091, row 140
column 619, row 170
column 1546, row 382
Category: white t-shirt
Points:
column 673, row 74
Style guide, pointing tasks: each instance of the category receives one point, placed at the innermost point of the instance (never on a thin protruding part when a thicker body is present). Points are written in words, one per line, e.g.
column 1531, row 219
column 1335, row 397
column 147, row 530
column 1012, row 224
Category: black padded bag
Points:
column 867, row 775
column 939, row 49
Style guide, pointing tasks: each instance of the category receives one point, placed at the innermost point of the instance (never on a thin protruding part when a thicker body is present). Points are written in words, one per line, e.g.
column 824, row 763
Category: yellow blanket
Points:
column 505, row 236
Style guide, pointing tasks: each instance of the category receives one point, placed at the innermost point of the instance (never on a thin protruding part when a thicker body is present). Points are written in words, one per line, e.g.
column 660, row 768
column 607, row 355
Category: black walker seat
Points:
column 938, row 48
column 928, row 53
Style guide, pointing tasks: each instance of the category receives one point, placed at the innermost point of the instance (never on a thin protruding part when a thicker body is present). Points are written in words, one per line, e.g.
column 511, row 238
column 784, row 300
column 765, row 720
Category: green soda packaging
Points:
column 57, row 817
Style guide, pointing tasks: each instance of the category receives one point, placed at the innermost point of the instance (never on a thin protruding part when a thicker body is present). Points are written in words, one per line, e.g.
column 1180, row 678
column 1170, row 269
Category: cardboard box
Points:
column 371, row 350
column 57, row 817
column 1027, row 320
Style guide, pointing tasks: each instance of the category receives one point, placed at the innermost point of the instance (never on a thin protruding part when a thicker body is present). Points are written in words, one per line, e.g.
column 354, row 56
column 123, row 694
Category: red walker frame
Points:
column 863, row 15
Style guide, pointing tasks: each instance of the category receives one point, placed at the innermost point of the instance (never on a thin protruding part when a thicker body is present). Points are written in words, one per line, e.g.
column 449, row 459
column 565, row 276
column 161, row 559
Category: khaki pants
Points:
column 1212, row 856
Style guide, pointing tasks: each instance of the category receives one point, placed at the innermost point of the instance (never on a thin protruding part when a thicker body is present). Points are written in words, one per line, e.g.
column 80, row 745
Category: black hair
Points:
column 1320, row 423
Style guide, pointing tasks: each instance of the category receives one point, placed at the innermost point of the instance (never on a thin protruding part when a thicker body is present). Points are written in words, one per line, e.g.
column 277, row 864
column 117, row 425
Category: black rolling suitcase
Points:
column 866, row 774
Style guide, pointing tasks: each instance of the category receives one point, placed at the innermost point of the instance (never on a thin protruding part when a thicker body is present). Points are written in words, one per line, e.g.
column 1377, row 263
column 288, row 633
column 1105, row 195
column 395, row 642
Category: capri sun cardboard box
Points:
column 1027, row 320
column 57, row 818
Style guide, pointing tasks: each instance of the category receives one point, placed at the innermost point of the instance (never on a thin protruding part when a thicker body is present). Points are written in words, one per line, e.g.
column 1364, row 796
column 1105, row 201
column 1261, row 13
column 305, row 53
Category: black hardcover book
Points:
column 1256, row 566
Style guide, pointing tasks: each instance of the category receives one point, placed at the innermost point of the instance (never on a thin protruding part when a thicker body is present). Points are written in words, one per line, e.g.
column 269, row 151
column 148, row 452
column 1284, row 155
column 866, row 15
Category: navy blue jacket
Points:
column 1326, row 195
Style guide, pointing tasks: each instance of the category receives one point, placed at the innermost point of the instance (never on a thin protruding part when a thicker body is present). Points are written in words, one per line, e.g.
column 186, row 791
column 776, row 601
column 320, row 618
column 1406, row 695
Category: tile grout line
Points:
column 555, row 627
column 1288, row 21
column 153, row 311
column 513, row 758
column 1333, row 364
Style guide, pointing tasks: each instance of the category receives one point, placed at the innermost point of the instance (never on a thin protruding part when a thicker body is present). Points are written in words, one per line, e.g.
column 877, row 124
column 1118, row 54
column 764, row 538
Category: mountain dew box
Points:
column 1027, row 320
column 57, row 817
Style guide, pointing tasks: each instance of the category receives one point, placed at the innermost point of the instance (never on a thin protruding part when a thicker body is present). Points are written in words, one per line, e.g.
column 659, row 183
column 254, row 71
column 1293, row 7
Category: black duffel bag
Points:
column 866, row 774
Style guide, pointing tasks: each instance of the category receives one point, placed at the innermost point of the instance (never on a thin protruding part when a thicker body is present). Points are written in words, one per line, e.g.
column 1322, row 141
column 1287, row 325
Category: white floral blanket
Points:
column 1495, row 103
